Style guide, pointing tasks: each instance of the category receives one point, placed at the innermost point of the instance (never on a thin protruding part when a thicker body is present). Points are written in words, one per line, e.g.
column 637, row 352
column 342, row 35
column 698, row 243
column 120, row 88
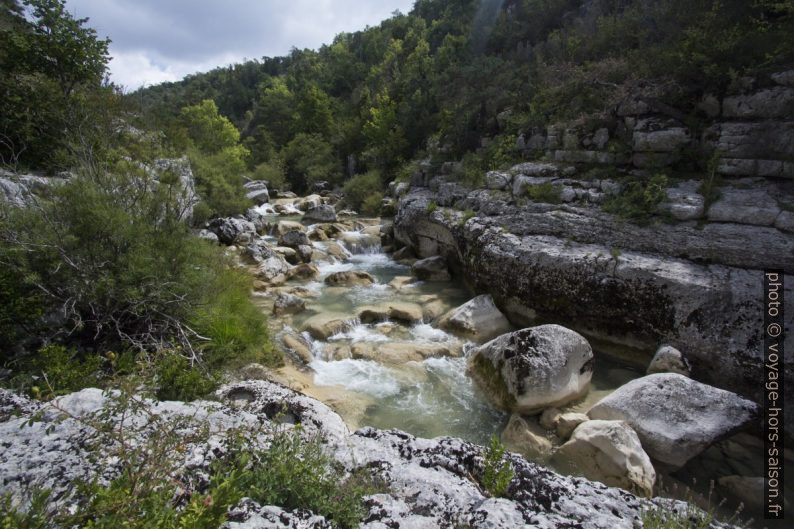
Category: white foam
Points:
column 265, row 209
column 360, row 333
column 363, row 376
column 424, row 332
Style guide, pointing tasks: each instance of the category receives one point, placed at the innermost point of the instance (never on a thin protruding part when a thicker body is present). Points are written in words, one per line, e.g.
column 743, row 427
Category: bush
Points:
column 545, row 192
column 639, row 200
column 309, row 159
column 361, row 187
column 176, row 379
column 497, row 473
column 219, row 182
column 118, row 268
column 372, row 204
column 273, row 173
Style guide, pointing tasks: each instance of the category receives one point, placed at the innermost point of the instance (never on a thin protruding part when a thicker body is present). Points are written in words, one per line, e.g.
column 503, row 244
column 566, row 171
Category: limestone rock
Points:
column 285, row 226
column 535, row 368
column 498, row 180
column 396, row 310
column 288, row 304
column 323, row 326
column 321, row 213
column 232, row 230
column 668, row 359
column 549, row 418
column 256, row 192
column 567, row 423
column 478, row 319
column 349, row 278
column 675, row 417
column 744, row 206
column 299, row 346
column 303, row 271
column 609, row 452
column 294, row 239
column 519, row 437
column 431, row 269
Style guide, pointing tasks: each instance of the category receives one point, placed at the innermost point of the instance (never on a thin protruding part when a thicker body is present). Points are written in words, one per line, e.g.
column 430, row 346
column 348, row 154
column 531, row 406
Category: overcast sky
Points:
column 164, row 40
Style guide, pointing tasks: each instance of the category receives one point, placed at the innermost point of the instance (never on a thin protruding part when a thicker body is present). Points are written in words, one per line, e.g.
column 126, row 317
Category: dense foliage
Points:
column 99, row 271
column 444, row 79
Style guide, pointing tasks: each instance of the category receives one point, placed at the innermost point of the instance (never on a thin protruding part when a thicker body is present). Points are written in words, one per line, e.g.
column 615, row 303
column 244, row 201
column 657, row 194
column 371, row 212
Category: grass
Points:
column 546, row 192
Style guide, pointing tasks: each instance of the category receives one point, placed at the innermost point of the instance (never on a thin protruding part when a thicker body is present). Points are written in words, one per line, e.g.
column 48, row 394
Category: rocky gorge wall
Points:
column 692, row 283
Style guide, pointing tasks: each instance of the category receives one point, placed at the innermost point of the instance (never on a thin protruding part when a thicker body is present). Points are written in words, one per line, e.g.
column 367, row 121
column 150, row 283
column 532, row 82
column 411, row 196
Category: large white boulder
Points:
column 609, row 452
column 675, row 417
column 535, row 368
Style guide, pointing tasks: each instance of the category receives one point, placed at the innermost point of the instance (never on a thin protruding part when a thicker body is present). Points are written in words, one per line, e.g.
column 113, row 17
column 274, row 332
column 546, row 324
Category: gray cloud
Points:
column 155, row 41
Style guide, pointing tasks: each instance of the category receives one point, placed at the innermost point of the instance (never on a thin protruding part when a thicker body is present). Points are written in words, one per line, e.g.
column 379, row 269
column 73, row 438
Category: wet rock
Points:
column 397, row 353
column 288, row 304
column 549, row 418
column 287, row 253
column 323, row 326
column 668, row 359
column 259, row 220
column 431, row 269
column 675, row 417
column 478, row 319
column 567, row 423
column 257, row 251
column 317, row 235
column 397, row 311
column 294, row 239
column 321, row 213
column 303, row 271
column 337, row 251
column 400, row 282
column 609, row 452
column 299, row 346
column 403, row 253
column 518, row 436
column 285, row 226
column 349, row 278
column 433, row 310
column 532, row 369
column 309, row 202
column 305, row 252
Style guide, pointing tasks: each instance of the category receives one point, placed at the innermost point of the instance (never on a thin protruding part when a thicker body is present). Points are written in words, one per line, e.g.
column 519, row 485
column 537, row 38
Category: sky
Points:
column 154, row 41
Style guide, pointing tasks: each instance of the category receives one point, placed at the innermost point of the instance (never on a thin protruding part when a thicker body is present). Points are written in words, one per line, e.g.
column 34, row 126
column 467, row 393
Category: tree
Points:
column 308, row 159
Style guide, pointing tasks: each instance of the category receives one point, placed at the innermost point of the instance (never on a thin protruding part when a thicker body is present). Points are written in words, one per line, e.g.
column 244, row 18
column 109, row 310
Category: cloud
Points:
column 164, row 40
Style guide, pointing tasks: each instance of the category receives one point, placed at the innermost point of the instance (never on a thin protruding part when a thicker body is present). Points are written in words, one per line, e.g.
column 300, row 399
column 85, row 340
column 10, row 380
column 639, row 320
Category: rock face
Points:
column 609, row 452
column 478, row 319
column 675, row 417
column 428, row 483
column 431, row 269
column 532, row 369
column 692, row 287
column 322, row 213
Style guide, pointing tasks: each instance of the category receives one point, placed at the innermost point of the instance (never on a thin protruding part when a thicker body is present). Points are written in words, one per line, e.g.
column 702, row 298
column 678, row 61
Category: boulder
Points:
column 396, row 310
column 337, row 251
column 400, row 282
column 303, row 271
column 209, row 236
column 431, row 269
column 232, row 230
column 567, row 423
column 519, row 437
column 309, row 202
column 745, row 206
column 349, row 278
column 256, row 192
column 304, row 252
column 321, row 213
column 294, row 239
column 609, row 452
column 675, row 417
column 323, row 326
column 288, row 304
column 299, row 346
column 668, row 359
column 273, row 269
column 257, row 251
column 285, row 226
column 478, row 319
column 498, row 180
column 549, row 418
column 533, row 369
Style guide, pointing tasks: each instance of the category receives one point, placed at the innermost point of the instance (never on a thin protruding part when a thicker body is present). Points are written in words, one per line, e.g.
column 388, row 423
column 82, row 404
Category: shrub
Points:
column 372, row 204
column 432, row 206
column 639, row 199
column 219, row 181
column 178, row 380
column 308, row 159
column 545, row 192
column 497, row 473
column 273, row 173
column 361, row 187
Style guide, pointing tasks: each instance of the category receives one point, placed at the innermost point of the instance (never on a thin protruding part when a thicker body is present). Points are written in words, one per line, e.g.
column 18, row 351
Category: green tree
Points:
column 308, row 159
